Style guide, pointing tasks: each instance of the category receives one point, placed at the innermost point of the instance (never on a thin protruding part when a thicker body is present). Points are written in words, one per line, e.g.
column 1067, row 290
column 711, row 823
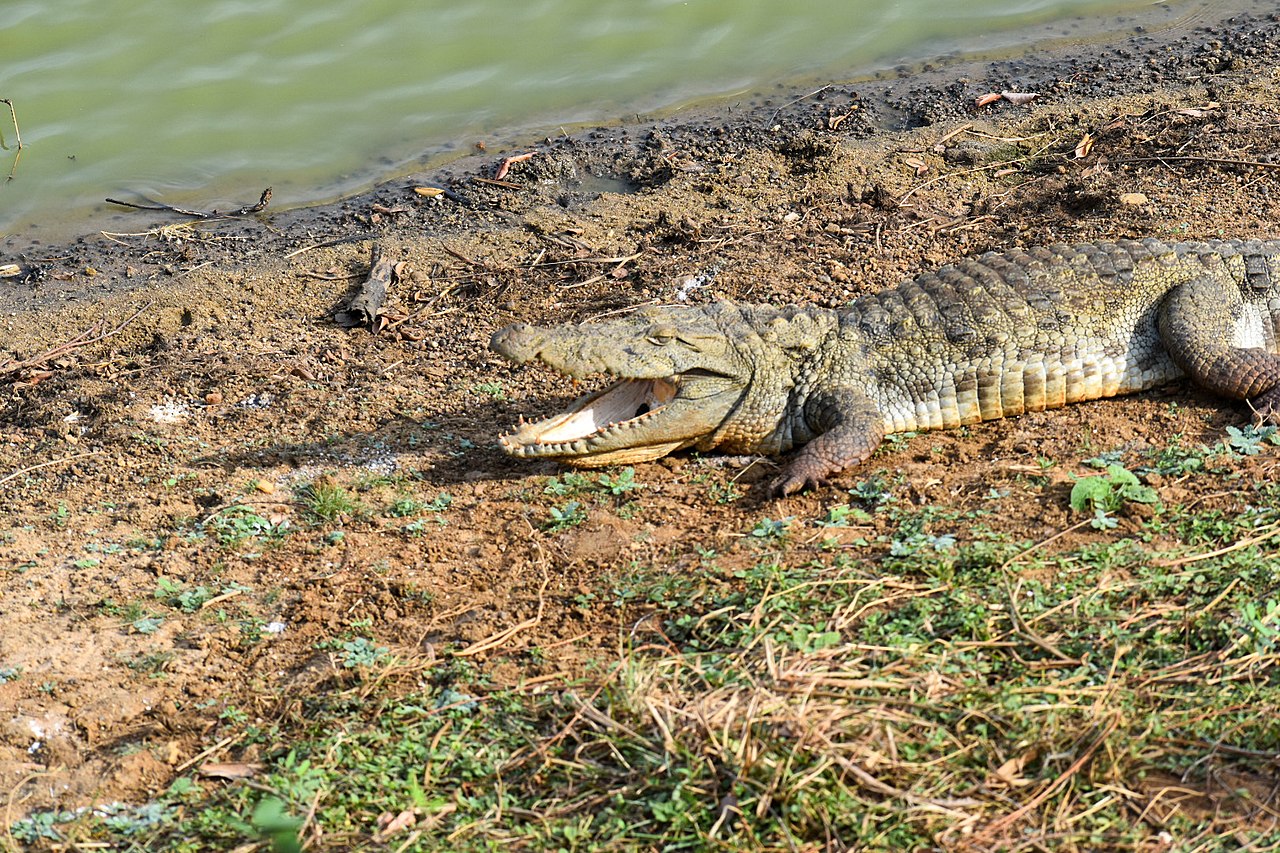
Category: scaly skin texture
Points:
column 999, row 335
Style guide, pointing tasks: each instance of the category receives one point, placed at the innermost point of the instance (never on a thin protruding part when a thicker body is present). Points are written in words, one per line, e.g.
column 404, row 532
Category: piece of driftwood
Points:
column 247, row 210
column 363, row 309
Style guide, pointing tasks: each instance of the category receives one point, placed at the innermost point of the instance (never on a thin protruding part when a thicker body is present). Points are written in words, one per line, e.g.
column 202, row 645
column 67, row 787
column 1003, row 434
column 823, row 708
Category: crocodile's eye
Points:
column 660, row 336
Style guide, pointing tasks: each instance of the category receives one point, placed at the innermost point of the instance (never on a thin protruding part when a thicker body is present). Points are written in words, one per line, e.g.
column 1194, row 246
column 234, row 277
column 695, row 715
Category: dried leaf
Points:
column 1084, row 146
column 505, row 165
column 834, row 121
column 1199, row 112
column 32, row 379
column 10, row 270
column 989, row 98
column 429, row 192
column 1010, row 772
column 231, row 770
column 1019, row 99
column 919, row 165
column 389, row 824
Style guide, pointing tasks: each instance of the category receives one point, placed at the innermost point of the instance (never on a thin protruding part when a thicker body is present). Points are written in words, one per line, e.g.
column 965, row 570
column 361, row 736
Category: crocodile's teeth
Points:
column 624, row 402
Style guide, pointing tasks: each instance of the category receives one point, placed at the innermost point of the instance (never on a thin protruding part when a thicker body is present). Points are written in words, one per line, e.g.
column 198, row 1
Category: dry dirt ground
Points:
column 176, row 394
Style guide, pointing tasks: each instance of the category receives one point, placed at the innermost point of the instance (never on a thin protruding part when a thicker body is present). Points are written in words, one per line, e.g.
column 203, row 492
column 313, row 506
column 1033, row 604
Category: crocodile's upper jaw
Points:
column 631, row 420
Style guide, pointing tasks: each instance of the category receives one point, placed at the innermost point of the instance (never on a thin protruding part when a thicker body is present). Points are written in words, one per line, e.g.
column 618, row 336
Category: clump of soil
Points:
column 204, row 477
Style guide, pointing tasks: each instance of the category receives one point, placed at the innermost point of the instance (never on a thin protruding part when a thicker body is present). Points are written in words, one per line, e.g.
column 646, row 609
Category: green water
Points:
column 205, row 103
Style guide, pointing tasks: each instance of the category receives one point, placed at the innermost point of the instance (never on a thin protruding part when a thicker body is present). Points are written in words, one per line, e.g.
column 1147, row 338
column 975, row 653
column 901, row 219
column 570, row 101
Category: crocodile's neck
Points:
column 792, row 352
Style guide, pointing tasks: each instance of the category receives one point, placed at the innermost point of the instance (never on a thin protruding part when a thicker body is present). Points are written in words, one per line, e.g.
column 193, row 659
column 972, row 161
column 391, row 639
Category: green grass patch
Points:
column 880, row 676
column 325, row 500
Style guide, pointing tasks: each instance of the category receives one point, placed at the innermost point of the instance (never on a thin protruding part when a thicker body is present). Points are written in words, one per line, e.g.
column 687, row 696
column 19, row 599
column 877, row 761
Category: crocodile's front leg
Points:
column 849, row 427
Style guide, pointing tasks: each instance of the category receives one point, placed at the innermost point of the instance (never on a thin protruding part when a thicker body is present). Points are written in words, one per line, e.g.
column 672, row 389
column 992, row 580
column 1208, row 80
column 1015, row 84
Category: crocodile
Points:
column 987, row 337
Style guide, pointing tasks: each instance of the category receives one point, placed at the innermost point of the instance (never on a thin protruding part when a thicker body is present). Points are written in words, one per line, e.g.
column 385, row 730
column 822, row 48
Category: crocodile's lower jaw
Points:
column 604, row 428
column 622, row 456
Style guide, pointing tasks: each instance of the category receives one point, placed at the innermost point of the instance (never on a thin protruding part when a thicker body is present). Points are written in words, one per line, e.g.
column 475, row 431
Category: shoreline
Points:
column 386, row 160
column 888, row 102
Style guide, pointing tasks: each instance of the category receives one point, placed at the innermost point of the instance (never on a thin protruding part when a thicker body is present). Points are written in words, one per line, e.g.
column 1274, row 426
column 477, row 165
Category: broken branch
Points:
column 261, row 204
column 364, row 309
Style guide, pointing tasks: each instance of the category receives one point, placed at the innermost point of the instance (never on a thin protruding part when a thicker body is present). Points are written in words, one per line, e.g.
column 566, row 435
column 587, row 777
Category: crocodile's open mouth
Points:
column 603, row 428
column 667, row 394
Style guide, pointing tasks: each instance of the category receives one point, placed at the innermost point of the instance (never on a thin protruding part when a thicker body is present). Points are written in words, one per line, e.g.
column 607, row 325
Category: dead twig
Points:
column 947, row 137
column 247, row 210
column 14, row 801
column 1270, row 531
column 1026, row 632
column 90, row 335
column 502, row 636
column 981, row 840
column 621, row 259
column 47, row 464
column 773, row 118
column 196, row 759
column 325, row 276
column 481, row 264
column 337, row 241
column 13, row 114
column 1191, row 158
column 988, row 167
column 504, row 184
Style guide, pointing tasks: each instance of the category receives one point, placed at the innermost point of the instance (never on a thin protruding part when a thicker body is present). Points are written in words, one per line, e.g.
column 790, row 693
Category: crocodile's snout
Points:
column 515, row 342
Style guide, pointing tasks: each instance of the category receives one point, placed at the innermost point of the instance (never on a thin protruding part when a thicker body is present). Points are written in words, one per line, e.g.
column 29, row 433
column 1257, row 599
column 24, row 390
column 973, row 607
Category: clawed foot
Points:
column 791, row 482
column 1266, row 408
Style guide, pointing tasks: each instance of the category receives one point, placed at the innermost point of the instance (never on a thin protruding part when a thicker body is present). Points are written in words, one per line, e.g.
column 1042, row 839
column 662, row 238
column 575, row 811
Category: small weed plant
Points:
column 327, row 501
column 1104, row 494
column 568, row 514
